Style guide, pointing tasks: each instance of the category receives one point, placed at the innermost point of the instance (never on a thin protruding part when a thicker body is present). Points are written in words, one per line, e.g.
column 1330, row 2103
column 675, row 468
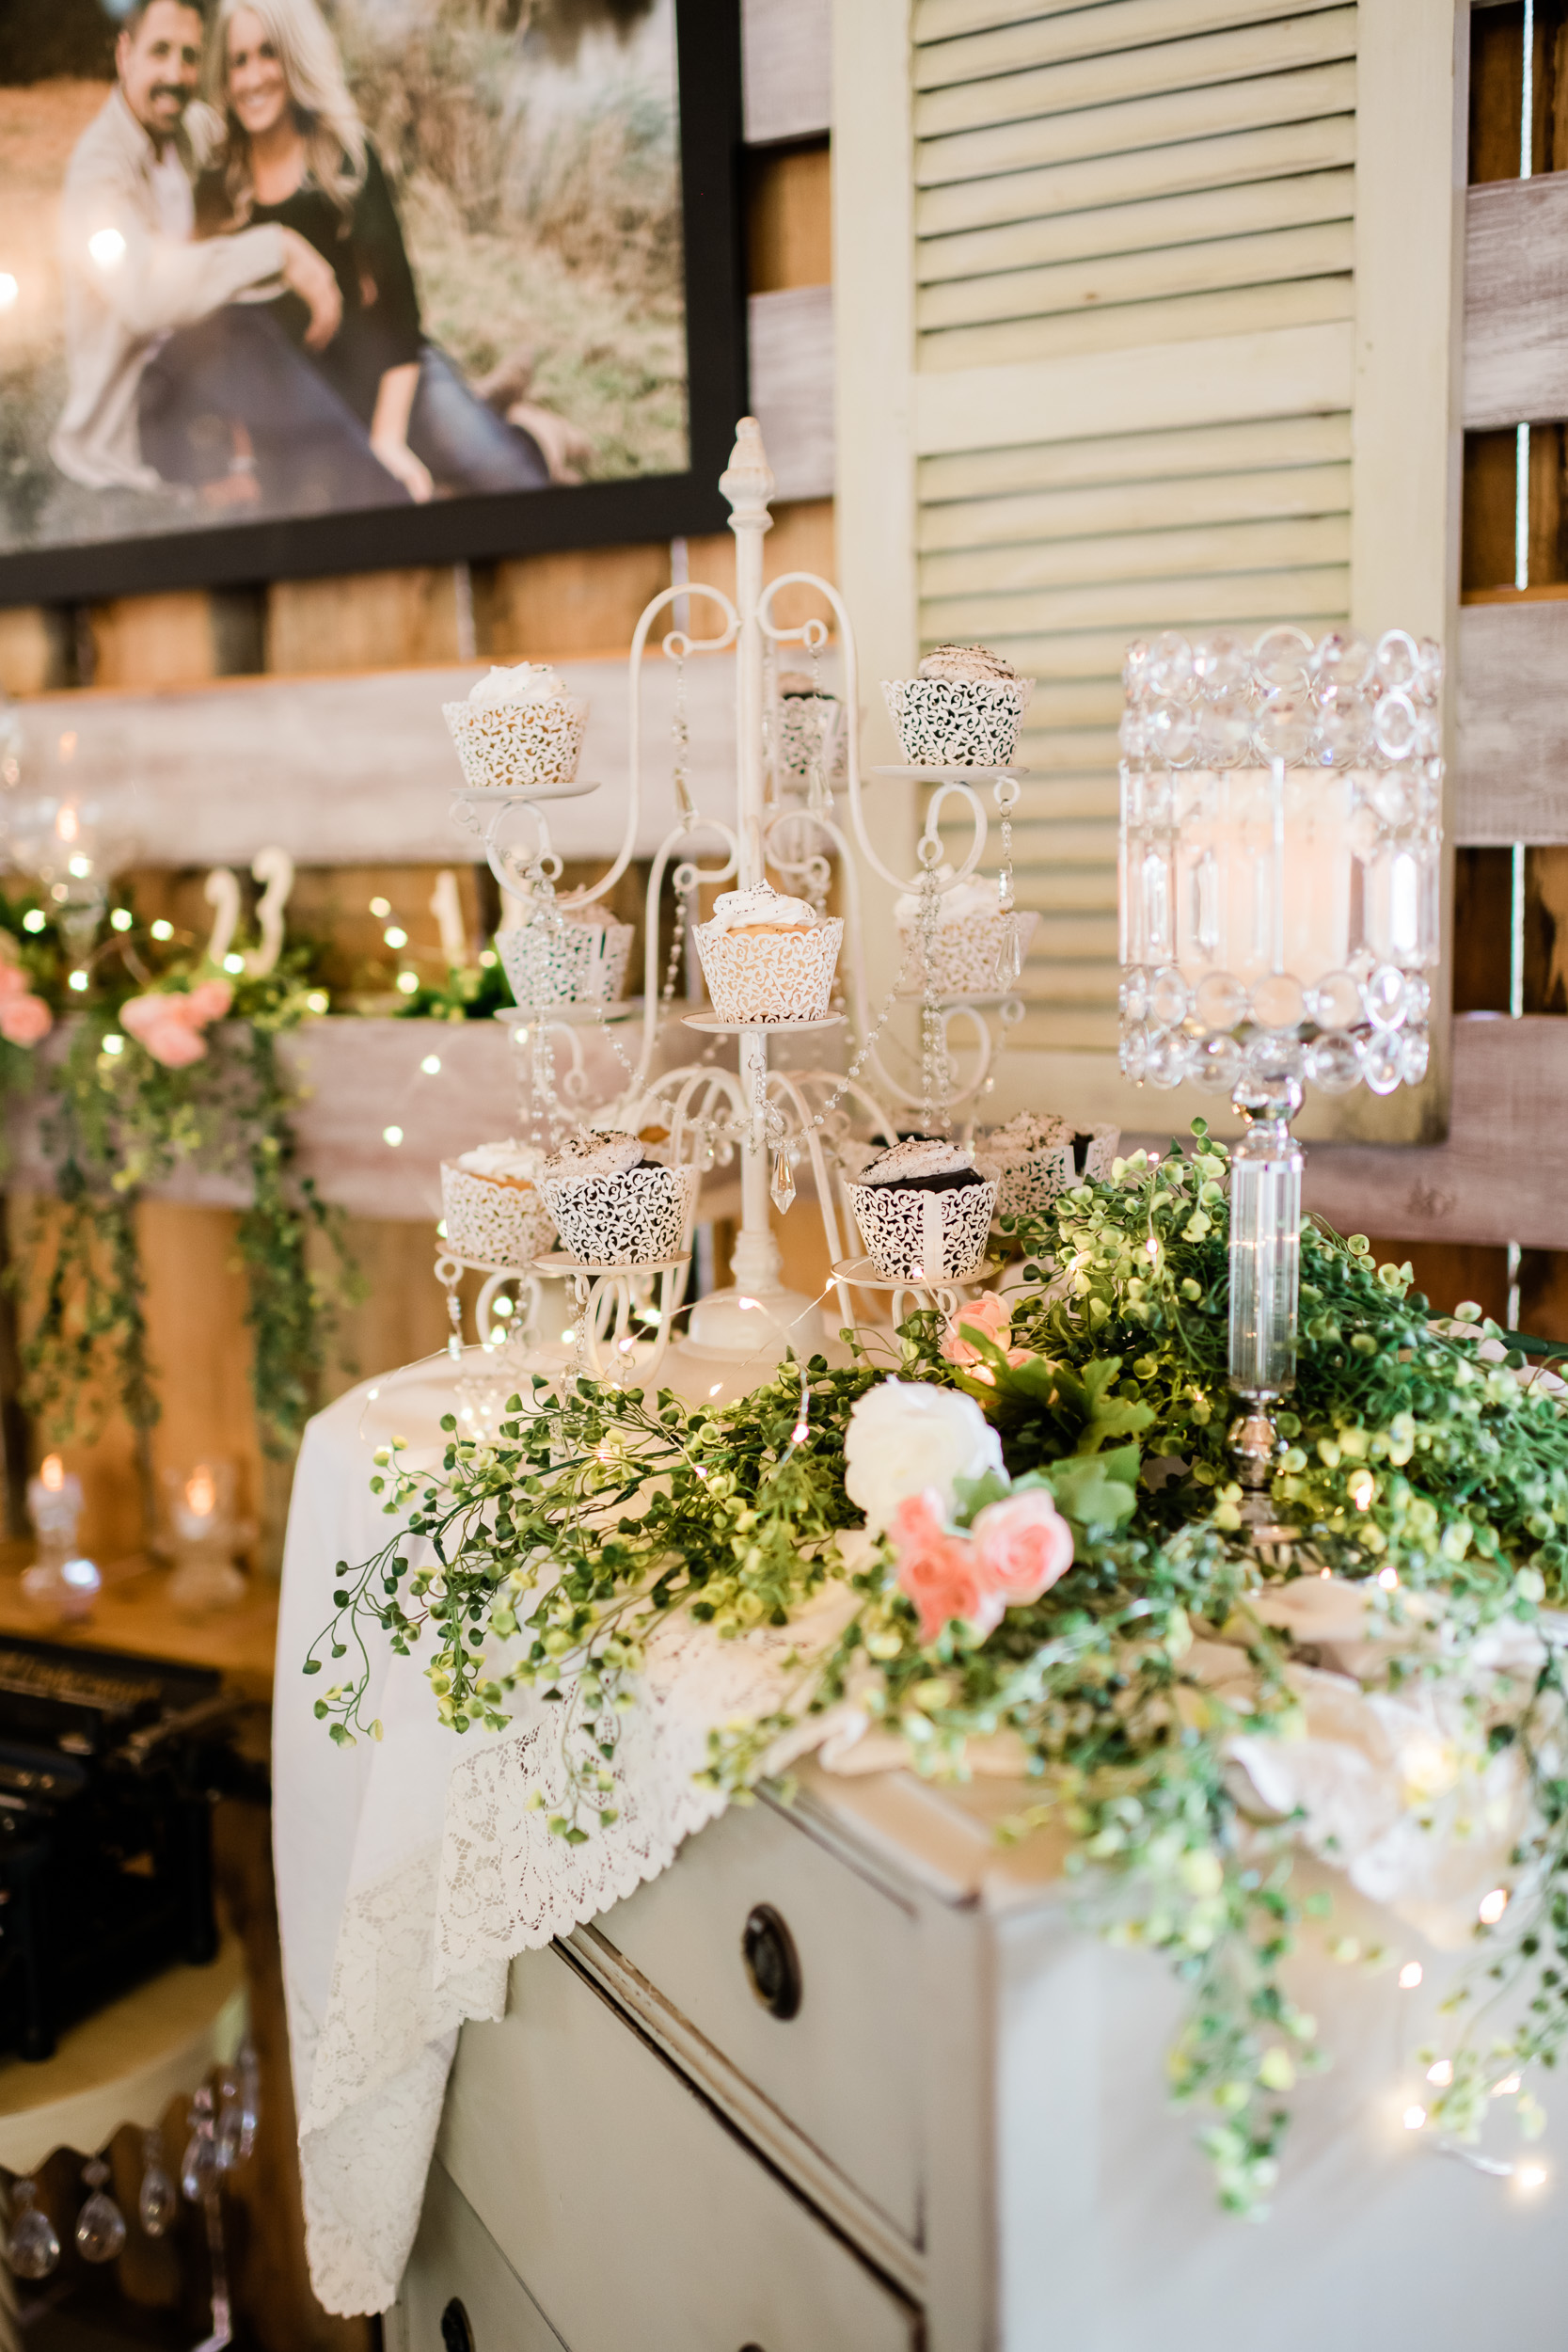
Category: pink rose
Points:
column 164, row 1025
column 1022, row 1544
column 209, row 1000
column 985, row 1314
column 13, row 980
column 939, row 1571
column 25, row 1019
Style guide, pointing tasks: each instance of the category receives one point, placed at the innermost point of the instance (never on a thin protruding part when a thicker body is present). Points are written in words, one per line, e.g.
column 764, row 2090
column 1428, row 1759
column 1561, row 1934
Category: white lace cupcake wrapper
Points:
column 957, row 722
column 779, row 976
column 510, row 747
column 964, row 952
column 495, row 1224
column 623, row 1220
column 564, row 963
column 923, row 1236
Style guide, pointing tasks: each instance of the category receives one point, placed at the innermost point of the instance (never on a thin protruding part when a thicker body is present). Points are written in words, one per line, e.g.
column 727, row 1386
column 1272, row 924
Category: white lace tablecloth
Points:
column 410, row 1871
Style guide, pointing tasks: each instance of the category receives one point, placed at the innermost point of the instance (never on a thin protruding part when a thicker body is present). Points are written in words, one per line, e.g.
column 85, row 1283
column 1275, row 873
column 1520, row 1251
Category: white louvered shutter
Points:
column 1094, row 184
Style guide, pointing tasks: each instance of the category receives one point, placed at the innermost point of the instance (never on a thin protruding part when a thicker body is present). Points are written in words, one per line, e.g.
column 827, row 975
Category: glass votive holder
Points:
column 201, row 1533
column 61, row 1583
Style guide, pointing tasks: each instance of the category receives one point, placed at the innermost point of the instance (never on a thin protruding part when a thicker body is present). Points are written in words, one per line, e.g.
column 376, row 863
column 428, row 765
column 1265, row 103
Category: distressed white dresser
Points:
column 849, row 2075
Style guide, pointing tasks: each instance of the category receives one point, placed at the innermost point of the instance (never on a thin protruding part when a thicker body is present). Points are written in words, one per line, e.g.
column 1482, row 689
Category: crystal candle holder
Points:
column 203, row 1533
column 1281, row 840
column 61, row 1582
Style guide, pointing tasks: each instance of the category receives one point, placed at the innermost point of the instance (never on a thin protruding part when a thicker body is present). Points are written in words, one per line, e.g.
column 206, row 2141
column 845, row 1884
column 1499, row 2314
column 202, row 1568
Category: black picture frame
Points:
column 483, row 529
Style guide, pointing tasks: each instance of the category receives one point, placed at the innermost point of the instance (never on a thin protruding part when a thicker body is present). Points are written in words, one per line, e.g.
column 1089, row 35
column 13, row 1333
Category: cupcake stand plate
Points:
column 587, row 1014
column 910, row 1292
column 711, row 1025
column 528, row 796
column 955, row 775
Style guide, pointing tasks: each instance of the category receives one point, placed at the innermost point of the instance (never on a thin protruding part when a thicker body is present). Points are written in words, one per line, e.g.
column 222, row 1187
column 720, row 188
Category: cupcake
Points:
column 518, row 729
column 615, row 1206
column 494, row 1209
column 1037, row 1156
column 566, row 955
column 971, row 935
column 961, row 710
column 768, row 958
column 925, row 1210
column 808, row 726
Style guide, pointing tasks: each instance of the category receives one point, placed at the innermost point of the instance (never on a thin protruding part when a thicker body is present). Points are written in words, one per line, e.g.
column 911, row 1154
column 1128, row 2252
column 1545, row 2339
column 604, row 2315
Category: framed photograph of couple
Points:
column 291, row 286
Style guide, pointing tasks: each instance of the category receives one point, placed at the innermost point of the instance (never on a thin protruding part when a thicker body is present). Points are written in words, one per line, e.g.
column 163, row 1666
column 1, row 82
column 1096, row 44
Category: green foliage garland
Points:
column 117, row 1120
column 1418, row 1463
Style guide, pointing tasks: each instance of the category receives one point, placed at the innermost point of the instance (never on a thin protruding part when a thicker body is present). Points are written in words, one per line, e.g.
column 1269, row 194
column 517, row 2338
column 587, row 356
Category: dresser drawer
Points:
column 636, row 2221
column 843, row 2065
column 457, row 2260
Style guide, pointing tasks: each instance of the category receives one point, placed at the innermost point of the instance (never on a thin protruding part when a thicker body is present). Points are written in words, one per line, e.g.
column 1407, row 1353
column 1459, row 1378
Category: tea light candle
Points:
column 60, row 1582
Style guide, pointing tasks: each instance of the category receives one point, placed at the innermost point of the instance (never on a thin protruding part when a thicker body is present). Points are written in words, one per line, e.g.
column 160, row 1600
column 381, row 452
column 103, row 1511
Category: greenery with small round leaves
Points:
column 1417, row 1461
column 117, row 1120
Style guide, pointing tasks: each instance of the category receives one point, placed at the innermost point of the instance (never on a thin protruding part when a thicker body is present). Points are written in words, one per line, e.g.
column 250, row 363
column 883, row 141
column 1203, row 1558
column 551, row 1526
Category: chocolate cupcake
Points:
column 962, row 709
column 925, row 1210
column 615, row 1206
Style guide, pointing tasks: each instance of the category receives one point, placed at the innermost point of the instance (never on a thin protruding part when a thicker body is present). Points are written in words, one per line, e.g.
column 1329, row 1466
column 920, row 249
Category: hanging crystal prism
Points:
column 33, row 2250
column 99, row 2225
column 157, row 2200
column 1009, row 956
column 783, row 1186
column 199, row 2167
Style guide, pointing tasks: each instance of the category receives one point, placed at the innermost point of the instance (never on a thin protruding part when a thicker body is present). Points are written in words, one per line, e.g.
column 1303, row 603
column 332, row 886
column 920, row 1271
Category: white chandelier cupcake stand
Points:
column 783, row 824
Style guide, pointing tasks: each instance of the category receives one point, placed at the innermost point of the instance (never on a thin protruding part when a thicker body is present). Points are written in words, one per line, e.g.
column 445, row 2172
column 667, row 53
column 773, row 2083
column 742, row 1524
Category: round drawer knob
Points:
column 773, row 1964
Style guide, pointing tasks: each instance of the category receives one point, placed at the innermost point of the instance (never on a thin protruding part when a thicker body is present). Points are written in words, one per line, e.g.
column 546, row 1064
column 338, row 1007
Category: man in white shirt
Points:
column 141, row 289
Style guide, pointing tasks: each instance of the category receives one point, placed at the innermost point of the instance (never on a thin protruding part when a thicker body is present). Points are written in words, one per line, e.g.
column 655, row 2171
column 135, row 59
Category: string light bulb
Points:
column 1491, row 1907
column 1414, row 2117
column 1410, row 1975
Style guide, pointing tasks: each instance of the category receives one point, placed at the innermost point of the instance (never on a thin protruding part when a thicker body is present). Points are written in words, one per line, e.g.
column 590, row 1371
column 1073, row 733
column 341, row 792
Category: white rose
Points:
column 906, row 1436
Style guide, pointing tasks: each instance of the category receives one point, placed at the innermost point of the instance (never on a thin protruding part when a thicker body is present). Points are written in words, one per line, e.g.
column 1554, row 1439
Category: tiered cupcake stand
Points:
column 783, row 826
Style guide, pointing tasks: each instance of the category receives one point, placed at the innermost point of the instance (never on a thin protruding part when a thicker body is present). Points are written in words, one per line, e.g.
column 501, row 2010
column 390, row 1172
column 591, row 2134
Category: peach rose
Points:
column 939, row 1571
column 1023, row 1545
column 986, row 1315
column 25, row 1019
column 13, row 980
column 170, row 1025
column 209, row 1000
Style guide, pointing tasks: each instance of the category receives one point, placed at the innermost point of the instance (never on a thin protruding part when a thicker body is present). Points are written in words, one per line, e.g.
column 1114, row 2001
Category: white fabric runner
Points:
column 411, row 1871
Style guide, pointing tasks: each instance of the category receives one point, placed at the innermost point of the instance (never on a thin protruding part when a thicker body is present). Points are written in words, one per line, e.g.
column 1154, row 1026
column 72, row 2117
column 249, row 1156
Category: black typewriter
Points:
column 109, row 1766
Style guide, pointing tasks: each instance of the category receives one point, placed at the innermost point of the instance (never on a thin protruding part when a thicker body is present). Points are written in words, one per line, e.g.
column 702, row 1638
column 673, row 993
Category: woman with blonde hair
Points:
column 293, row 150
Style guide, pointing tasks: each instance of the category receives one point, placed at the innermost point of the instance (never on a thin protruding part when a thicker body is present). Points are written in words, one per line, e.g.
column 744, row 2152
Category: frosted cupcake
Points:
column 961, row 710
column 519, row 729
column 925, row 1210
column 968, row 938
column 566, row 955
column 1037, row 1156
column 613, row 1204
column 768, row 958
column 495, row 1212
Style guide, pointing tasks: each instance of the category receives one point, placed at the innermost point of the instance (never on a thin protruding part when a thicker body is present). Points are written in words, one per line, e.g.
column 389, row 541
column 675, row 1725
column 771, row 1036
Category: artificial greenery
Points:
column 114, row 1120
column 1421, row 1463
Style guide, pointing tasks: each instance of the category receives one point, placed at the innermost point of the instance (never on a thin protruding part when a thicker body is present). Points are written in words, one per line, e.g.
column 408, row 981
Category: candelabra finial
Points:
column 746, row 482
